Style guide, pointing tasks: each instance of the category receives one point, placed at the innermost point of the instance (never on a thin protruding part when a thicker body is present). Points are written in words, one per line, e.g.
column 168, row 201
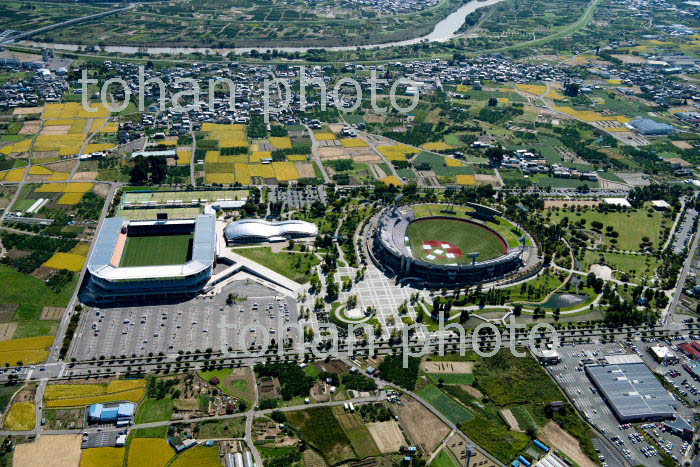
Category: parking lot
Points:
column 198, row 324
column 684, row 231
column 628, row 442
column 100, row 439
column 293, row 198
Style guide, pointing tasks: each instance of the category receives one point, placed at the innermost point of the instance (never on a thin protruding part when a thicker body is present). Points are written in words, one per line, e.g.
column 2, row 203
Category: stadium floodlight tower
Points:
column 473, row 256
column 523, row 242
column 470, row 452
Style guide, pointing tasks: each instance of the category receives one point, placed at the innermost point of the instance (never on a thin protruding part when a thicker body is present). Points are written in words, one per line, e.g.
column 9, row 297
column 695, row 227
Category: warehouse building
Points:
column 632, row 391
column 120, row 414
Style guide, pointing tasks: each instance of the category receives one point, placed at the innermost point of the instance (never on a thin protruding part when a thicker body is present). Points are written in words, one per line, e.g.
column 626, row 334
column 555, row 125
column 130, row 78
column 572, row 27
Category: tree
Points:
column 493, row 102
column 571, row 89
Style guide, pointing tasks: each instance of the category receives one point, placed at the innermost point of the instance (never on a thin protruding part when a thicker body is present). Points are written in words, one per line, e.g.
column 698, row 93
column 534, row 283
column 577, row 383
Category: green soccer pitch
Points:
column 463, row 237
column 157, row 250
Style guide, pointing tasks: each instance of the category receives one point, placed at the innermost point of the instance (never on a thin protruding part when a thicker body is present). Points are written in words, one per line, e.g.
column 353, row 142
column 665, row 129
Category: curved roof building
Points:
column 259, row 230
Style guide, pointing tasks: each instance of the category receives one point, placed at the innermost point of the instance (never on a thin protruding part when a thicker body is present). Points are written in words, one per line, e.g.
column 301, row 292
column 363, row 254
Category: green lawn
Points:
column 296, row 266
column 637, row 266
column 319, row 427
column 228, row 428
column 454, row 411
column 466, row 236
column 32, row 295
column 152, row 410
column 632, row 225
column 439, row 166
column 157, row 250
column 444, row 459
column 154, row 432
column 238, row 388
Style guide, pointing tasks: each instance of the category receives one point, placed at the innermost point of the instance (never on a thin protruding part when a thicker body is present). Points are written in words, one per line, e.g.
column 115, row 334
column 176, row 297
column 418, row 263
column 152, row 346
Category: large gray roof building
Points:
column 632, row 391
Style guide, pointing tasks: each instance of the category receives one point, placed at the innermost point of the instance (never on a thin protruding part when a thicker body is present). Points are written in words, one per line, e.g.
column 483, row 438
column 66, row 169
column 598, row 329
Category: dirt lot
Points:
column 387, row 436
column 306, row 169
column 7, row 330
column 84, row 176
column 483, row 179
column 511, row 420
column 472, row 391
column 554, row 435
column 52, row 312
column 560, row 203
column 681, row 145
column 332, row 153
column 27, row 110
column 447, row 367
column 423, row 428
column 56, row 451
column 30, row 128
column 65, row 166
column 55, row 130
column 101, row 189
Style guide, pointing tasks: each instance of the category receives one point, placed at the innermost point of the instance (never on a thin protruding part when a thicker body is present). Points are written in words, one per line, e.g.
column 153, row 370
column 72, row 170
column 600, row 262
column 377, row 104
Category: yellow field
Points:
column 466, row 180
column 70, row 150
column 200, row 456
column 556, row 95
column 2, row 175
column 39, row 170
column 392, row 180
column 65, row 187
column 537, row 89
column 285, row 171
column 59, row 122
column 615, row 81
column 72, row 391
column 28, row 343
column 591, row 116
column 354, row 143
column 167, row 143
column 396, row 153
column 103, row 457
column 208, row 126
column 436, row 146
column 97, row 123
column 463, row 88
column 149, row 452
column 222, row 178
column 67, row 145
column 453, row 162
column 69, row 261
column 212, row 156
column 81, row 248
column 281, row 142
column 241, row 173
column 15, row 175
column 261, row 170
column 59, row 176
column 228, row 136
column 325, row 136
column 135, row 395
column 297, row 158
column 27, row 357
column 98, row 147
column 258, row 156
column 111, row 127
column 74, row 110
column 22, row 146
column 78, row 126
column 503, row 100
column 22, row 417
column 70, row 198
column 184, row 157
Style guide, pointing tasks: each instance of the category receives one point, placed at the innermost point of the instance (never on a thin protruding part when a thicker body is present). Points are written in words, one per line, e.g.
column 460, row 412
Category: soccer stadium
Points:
column 172, row 258
column 259, row 231
column 445, row 249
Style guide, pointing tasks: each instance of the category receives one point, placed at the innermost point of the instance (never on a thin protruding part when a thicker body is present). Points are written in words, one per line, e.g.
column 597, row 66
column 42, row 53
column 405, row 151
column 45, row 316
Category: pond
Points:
column 564, row 300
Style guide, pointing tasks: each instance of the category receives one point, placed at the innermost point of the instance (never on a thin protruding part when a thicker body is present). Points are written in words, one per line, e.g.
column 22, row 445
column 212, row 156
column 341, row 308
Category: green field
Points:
column 295, row 266
column 152, row 410
column 320, row 428
column 451, row 378
column 454, row 411
column 466, row 236
column 444, row 459
column 157, row 250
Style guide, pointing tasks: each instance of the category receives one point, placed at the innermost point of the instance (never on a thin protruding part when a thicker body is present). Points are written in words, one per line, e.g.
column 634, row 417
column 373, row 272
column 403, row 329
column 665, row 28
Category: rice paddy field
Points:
column 149, row 452
column 29, row 350
column 78, row 395
column 21, row 417
column 103, row 457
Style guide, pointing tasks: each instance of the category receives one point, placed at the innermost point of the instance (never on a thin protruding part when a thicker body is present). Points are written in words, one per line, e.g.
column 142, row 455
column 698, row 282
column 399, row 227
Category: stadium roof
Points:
column 260, row 228
column 632, row 391
column 203, row 251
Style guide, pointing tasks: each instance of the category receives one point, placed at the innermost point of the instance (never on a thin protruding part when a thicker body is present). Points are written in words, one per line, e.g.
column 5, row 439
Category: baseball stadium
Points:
column 442, row 248
column 172, row 258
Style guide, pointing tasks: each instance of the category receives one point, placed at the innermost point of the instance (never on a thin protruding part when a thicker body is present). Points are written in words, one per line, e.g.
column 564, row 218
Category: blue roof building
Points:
column 102, row 414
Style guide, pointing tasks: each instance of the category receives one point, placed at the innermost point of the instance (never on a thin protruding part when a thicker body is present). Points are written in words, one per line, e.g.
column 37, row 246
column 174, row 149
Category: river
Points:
column 443, row 32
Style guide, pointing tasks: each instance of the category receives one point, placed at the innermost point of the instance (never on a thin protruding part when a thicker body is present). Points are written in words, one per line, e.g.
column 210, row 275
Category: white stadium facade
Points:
column 108, row 281
column 259, row 231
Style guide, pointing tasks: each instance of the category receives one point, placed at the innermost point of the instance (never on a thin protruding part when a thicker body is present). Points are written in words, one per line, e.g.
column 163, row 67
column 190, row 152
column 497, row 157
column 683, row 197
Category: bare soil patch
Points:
column 101, row 189
column 27, row 110
column 7, row 330
column 7, row 311
column 334, row 366
column 55, row 130
column 483, row 179
column 332, row 153
column 369, row 158
column 511, row 420
column 458, row 445
column 53, row 450
column 447, row 367
column 43, row 272
column 31, row 127
column 422, row 427
column 306, row 169
column 681, row 145
column 65, row 166
column 387, row 436
column 84, row 176
column 45, row 154
column 52, row 313
column 556, row 436
column 474, row 392
column 18, row 254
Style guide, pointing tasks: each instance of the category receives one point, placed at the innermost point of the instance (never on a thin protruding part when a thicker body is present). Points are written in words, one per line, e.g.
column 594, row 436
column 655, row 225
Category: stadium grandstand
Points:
column 260, row 231
column 167, row 258
column 448, row 258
